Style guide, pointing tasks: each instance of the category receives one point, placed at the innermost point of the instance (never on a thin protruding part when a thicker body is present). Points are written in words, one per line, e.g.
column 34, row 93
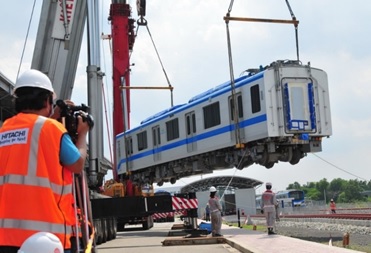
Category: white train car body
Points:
column 282, row 111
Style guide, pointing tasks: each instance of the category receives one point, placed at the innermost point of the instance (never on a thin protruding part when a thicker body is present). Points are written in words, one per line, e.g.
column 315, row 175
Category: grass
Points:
column 248, row 227
column 361, row 248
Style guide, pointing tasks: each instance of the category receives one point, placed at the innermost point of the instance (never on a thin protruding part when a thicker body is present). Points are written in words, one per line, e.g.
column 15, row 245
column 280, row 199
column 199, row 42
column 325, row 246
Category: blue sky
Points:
column 190, row 36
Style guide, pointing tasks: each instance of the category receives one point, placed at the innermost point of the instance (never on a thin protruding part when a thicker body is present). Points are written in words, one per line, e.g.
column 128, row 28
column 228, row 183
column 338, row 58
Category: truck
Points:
column 56, row 53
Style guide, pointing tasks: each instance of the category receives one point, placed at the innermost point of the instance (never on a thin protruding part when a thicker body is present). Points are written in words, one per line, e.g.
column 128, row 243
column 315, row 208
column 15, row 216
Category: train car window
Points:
column 191, row 123
column 194, row 122
column 239, row 106
column 188, row 125
column 129, row 146
column 142, row 140
column 154, row 139
column 255, row 98
column 211, row 115
column 156, row 136
column 172, row 129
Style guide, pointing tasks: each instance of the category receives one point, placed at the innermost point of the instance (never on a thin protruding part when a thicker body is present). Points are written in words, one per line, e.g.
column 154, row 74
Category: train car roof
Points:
column 161, row 113
column 223, row 88
column 217, row 88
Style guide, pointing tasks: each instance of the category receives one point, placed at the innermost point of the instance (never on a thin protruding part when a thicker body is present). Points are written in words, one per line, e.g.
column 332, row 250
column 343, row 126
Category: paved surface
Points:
column 259, row 242
column 235, row 240
column 150, row 241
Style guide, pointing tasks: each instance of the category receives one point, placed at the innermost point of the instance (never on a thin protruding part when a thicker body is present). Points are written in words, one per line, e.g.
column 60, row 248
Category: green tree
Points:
column 352, row 191
column 368, row 185
column 341, row 197
column 310, row 185
column 336, row 186
column 312, row 193
column 338, row 189
column 295, row 185
column 322, row 187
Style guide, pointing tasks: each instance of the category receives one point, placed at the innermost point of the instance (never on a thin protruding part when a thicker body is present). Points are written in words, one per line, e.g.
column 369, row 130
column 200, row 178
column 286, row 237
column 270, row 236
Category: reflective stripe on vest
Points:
column 32, row 158
column 35, row 225
column 35, row 181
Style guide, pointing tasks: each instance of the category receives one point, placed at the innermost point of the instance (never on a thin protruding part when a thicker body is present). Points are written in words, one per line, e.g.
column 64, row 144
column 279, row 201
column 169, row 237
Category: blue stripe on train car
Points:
column 209, row 134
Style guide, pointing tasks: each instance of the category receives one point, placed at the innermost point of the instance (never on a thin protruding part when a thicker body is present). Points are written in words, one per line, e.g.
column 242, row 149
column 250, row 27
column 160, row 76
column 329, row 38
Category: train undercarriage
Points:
column 264, row 152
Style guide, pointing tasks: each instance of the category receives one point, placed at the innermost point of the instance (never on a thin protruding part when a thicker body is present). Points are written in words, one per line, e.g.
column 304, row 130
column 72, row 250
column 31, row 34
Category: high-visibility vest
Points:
column 35, row 189
column 332, row 205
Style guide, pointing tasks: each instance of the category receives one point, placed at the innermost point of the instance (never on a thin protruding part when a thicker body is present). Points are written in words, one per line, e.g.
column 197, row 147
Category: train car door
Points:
column 299, row 105
column 156, row 140
column 129, row 152
column 191, row 131
column 239, row 114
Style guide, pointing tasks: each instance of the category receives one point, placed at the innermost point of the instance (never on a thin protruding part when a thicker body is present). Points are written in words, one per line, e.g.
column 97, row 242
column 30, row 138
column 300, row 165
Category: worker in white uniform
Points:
column 215, row 213
column 267, row 206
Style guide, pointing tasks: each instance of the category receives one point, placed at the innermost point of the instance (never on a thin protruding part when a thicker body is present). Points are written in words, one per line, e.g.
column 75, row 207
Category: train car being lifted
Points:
column 283, row 113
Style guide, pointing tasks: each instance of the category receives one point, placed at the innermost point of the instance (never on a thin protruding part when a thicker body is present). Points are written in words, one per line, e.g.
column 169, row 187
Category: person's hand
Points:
column 57, row 110
column 82, row 125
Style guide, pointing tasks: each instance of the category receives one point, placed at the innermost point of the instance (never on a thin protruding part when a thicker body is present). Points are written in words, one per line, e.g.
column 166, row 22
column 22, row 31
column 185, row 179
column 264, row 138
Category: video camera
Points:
column 69, row 117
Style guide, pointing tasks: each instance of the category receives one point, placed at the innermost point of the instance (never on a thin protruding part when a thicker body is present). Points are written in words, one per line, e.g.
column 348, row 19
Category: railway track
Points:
column 346, row 216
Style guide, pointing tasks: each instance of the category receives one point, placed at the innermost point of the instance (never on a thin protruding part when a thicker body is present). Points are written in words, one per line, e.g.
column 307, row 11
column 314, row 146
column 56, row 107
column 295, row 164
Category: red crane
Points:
column 123, row 37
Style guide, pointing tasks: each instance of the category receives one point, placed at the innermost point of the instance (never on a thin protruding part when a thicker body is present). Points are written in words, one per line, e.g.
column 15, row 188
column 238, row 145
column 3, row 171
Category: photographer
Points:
column 37, row 162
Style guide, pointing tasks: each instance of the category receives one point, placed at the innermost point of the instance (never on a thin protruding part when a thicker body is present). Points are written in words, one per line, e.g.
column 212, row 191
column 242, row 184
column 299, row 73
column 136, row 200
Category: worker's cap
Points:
column 268, row 184
column 34, row 78
column 332, row 200
column 212, row 189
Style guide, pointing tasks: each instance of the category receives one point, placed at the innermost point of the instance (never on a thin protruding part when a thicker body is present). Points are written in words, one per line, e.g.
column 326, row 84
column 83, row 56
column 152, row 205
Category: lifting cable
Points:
column 233, row 88
column 227, row 18
column 143, row 22
column 296, row 28
column 107, row 124
column 337, row 167
column 233, row 91
column 293, row 21
column 106, row 100
column 25, row 41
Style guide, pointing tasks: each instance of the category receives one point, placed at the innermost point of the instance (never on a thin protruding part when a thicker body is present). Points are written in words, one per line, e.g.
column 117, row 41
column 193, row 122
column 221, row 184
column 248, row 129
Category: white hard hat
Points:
column 34, row 78
column 212, row 189
column 42, row 242
column 268, row 184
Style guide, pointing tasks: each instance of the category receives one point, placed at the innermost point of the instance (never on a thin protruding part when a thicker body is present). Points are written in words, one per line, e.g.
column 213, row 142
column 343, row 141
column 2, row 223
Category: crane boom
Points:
column 57, row 51
column 58, row 43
